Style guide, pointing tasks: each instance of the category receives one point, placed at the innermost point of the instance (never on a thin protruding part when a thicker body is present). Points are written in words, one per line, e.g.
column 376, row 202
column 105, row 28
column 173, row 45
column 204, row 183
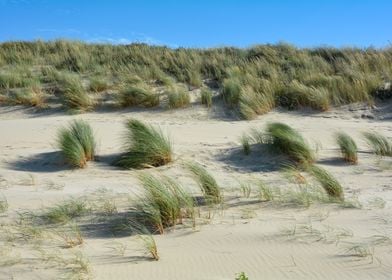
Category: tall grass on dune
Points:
column 252, row 81
column 98, row 84
column 30, row 96
column 178, row 98
column 253, row 103
column 329, row 183
column 145, row 146
column 287, row 141
column 16, row 80
column 77, row 143
column 380, row 144
column 137, row 96
column 164, row 202
column 348, row 147
column 206, row 181
column 75, row 96
column 206, row 97
column 231, row 92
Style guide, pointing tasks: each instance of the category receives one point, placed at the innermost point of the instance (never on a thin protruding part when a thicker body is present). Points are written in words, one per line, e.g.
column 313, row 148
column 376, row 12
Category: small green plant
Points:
column 178, row 98
column 241, row 276
column 245, row 142
column 65, row 212
column 246, row 189
column 77, row 143
column 206, row 97
column 266, row 193
column 3, row 204
column 139, row 95
column 145, row 146
column 71, row 237
column 327, row 181
column 287, row 141
column 150, row 246
column 379, row 143
column 207, row 183
column 348, row 148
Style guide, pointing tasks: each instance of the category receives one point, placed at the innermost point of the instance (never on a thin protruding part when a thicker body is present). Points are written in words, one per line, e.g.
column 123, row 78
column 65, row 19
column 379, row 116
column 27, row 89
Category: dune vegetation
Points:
column 251, row 81
column 380, row 144
column 77, row 143
column 287, row 141
column 145, row 146
column 329, row 183
column 348, row 147
column 164, row 203
column 206, row 182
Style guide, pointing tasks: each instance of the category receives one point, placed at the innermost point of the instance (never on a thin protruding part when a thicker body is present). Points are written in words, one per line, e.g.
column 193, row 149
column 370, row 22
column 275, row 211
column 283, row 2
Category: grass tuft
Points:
column 329, row 183
column 231, row 92
column 138, row 96
column 75, row 96
column 379, row 143
column 65, row 212
column 207, row 183
column 287, row 141
column 98, row 84
column 3, row 204
column 146, row 146
column 206, row 97
column 31, row 96
column 347, row 146
column 178, row 98
column 77, row 143
column 164, row 204
column 150, row 246
column 245, row 142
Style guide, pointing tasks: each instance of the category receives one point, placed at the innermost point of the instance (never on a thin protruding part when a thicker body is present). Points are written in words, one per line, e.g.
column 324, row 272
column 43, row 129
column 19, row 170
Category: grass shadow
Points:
column 259, row 160
column 334, row 161
column 43, row 162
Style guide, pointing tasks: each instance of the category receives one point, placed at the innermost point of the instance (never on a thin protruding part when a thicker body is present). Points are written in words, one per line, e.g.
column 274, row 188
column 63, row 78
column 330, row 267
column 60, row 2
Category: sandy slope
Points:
column 265, row 240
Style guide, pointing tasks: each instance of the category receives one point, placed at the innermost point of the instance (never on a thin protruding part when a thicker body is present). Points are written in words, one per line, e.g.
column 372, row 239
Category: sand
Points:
column 266, row 240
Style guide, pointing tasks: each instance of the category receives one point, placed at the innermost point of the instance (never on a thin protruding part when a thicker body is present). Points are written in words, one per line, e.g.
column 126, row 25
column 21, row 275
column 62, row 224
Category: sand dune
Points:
column 266, row 240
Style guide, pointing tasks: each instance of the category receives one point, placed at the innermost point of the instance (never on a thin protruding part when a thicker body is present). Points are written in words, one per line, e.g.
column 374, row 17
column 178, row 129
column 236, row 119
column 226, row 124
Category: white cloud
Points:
column 134, row 37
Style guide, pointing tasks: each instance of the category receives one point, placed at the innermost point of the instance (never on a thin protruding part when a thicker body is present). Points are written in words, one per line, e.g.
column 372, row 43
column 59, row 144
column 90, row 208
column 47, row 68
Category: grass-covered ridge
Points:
column 252, row 81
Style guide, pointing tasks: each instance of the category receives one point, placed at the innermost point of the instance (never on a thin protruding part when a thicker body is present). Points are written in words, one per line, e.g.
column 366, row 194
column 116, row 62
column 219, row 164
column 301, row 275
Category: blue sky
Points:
column 201, row 23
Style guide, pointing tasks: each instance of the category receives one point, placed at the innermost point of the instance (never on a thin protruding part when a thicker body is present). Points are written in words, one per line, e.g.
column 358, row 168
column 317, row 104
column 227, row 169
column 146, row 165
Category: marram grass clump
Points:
column 379, row 143
column 348, row 147
column 75, row 97
column 164, row 203
column 206, row 97
column 137, row 96
column 245, row 142
column 178, row 98
column 77, row 143
column 207, row 183
column 329, row 183
column 145, row 146
column 287, row 141
column 98, row 84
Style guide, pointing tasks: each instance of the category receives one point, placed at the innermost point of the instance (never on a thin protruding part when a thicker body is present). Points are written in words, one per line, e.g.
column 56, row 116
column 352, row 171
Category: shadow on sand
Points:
column 43, row 162
column 259, row 160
